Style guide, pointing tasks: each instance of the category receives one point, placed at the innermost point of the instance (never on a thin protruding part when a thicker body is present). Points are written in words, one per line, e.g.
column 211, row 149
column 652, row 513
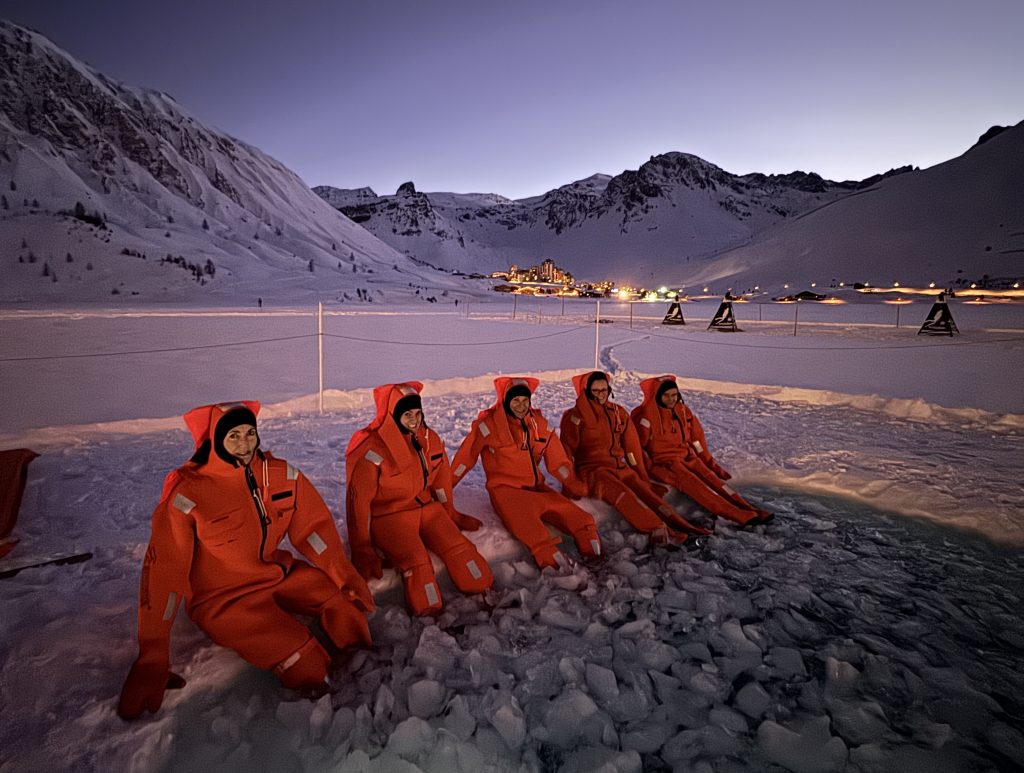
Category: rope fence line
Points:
column 687, row 339
column 155, row 351
column 288, row 338
column 943, row 342
column 456, row 343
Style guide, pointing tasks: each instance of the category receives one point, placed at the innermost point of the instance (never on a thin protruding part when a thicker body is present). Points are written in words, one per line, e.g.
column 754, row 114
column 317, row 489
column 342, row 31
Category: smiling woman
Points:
column 215, row 545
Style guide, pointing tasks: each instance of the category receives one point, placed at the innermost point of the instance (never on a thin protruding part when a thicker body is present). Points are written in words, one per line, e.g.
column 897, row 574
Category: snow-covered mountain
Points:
column 109, row 190
column 953, row 223
column 680, row 220
column 635, row 226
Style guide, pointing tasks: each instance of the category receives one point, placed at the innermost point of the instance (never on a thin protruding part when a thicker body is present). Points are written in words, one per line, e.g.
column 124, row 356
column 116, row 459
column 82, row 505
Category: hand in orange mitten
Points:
column 144, row 688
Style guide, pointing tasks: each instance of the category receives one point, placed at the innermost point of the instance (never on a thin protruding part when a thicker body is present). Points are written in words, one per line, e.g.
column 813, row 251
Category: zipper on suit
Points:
column 423, row 459
column 529, row 450
column 261, row 512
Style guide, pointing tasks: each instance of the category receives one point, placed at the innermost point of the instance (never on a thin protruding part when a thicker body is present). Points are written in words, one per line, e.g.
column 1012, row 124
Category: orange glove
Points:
column 358, row 592
column 144, row 688
column 658, row 488
column 467, row 522
column 367, row 562
column 574, row 488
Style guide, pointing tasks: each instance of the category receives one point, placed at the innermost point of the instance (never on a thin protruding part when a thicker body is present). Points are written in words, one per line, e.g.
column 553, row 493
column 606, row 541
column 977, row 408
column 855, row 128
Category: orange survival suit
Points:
column 214, row 544
column 399, row 499
column 512, row 451
column 675, row 453
column 606, row 453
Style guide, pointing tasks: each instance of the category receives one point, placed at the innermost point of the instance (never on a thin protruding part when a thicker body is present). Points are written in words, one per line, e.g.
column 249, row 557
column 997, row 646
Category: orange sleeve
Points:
column 441, row 482
column 314, row 533
column 468, row 454
column 165, row 575
column 570, row 434
column 644, row 434
column 634, row 453
column 363, row 480
column 697, row 436
column 556, row 459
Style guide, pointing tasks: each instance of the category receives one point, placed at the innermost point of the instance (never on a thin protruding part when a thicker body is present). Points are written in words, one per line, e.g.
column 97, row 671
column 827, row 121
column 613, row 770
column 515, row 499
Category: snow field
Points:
column 841, row 637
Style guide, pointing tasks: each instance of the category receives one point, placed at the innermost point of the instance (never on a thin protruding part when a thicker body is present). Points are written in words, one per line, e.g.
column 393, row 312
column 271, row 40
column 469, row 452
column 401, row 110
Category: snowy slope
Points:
column 151, row 180
column 952, row 224
column 635, row 226
column 679, row 220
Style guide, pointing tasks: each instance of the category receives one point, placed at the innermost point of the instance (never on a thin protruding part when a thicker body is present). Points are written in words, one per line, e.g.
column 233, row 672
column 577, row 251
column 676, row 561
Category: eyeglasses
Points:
column 599, row 391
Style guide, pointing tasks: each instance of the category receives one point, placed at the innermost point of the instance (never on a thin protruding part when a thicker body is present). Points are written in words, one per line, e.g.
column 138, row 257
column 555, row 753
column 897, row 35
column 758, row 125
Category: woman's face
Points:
column 411, row 420
column 520, row 406
column 670, row 397
column 600, row 390
column 241, row 442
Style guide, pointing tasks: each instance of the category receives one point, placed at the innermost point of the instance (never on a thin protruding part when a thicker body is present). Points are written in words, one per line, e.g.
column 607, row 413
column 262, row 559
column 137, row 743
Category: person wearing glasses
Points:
column 676, row 453
column 605, row 451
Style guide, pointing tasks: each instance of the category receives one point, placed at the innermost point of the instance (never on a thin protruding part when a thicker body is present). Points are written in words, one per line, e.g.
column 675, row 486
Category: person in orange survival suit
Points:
column 214, row 543
column 606, row 453
column 399, row 499
column 676, row 453
column 513, row 438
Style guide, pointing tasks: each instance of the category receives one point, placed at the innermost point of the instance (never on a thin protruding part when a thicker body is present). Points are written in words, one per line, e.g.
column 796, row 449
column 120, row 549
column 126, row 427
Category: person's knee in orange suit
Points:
column 513, row 439
column 606, row 453
column 399, row 501
column 216, row 543
column 675, row 448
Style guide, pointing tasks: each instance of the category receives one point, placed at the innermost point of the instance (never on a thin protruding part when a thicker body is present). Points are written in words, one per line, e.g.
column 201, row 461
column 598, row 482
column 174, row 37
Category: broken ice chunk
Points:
column 426, row 697
column 411, row 738
column 437, row 652
column 752, row 700
column 598, row 759
column 602, row 683
column 504, row 714
column 812, row 750
column 458, row 719
column 787, row 662
column 565, row 717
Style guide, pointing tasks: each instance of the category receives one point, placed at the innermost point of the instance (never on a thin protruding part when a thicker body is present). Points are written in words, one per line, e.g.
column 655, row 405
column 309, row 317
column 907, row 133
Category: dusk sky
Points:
column 520, row 97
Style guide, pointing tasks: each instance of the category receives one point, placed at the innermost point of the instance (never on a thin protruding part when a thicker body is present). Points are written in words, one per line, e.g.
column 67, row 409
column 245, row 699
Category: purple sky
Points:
column 520, row 97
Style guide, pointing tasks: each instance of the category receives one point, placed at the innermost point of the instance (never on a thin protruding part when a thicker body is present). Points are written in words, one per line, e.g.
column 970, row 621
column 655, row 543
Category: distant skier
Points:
column 398, row 500
column 513, row 438
column 606, row 453
column 215, row 545
column 259, row 304
column 676, row 453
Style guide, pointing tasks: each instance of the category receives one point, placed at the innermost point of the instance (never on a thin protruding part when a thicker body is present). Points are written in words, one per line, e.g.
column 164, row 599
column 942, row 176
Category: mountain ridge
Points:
column 161, row 191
